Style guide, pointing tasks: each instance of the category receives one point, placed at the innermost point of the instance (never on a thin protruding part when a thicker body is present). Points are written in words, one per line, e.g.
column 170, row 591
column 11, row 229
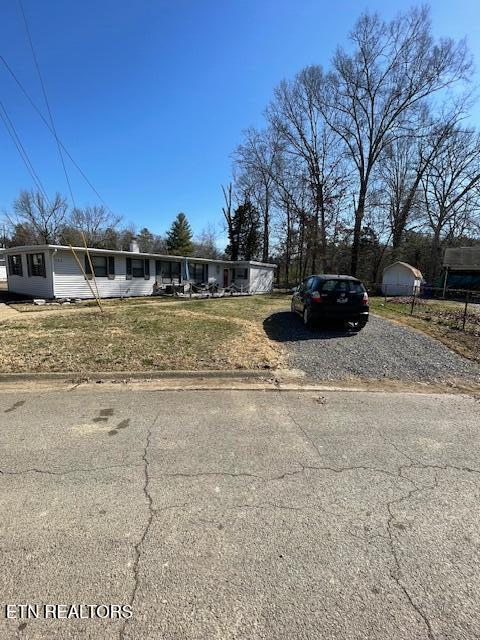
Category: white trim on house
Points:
column 126, row 273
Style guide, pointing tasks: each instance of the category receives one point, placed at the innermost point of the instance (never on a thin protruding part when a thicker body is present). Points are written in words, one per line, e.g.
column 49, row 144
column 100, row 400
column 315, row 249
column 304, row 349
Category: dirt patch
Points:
column 7, row 313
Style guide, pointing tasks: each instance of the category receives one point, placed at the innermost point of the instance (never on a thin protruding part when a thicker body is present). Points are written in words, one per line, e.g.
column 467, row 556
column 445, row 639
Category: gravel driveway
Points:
column 382, row 350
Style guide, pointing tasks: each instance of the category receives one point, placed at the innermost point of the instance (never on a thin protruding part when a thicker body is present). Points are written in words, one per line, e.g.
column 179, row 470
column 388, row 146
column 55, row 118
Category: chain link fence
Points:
column 454, row 308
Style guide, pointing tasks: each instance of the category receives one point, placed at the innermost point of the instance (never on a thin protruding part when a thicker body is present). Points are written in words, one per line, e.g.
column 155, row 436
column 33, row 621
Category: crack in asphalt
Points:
column 396, row 575
column 391, row 538
column 415, row 463
column 282, row 476
column 151, row 512
column 68, row 471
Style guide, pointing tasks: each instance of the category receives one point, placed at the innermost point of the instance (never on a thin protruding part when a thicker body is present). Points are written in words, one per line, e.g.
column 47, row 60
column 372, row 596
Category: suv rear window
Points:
column 343, row 286
column 356, row 287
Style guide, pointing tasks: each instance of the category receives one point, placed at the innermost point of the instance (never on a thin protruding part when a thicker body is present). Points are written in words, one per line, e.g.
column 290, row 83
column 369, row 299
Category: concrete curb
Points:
column 243, row 374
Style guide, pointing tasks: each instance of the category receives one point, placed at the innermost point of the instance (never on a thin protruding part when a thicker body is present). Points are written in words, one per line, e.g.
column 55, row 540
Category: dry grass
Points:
column 149, row 335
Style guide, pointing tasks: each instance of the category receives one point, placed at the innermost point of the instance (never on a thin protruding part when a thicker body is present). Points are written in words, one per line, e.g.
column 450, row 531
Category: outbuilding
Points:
column 462, row 268
column 401, row 279
column 55, row 271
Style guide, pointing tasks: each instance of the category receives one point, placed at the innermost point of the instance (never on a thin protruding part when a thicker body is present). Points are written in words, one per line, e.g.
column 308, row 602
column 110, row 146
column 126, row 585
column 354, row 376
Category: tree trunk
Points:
column 357, row 230
column 266, row 228
column 287, row 247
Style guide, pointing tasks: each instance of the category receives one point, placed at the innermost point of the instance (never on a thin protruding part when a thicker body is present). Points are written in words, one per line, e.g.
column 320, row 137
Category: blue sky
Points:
column 151, row 97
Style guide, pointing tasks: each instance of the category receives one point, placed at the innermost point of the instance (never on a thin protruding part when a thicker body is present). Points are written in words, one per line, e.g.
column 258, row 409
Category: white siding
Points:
column 3, row 266
column 261, row 279
column 70, row 283
column 35, row 286
column 398, row 280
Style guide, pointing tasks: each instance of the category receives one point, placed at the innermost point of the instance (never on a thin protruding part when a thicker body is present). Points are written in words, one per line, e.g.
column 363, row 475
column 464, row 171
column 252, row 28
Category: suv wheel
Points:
column 355, row 325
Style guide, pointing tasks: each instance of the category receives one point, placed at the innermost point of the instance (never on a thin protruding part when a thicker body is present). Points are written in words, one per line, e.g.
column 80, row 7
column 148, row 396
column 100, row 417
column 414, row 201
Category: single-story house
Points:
column 54, row 271
column 401, row 279
column 3, row 265
column 462, row 268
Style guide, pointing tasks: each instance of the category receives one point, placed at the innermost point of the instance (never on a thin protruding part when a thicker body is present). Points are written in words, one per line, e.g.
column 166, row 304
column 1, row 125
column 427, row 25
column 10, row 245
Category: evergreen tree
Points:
column 244, row 235
column 145, row 240
column 179, row 238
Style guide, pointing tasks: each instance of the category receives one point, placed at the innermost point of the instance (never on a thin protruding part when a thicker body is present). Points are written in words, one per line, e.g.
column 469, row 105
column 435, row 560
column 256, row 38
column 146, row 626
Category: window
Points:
column 241, row 274
column 167, row 271
column 36, row 264
column 357, row 287
column 343, row 286
column 100, row 268
column 138, row 268
column 308, row 283
column 103, row 266
column 198, row 272
column 329, row 285
column 15, row 265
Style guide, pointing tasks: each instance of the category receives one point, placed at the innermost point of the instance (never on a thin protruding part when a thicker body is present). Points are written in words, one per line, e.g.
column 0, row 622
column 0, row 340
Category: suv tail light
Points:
column 316, row 297
column 365, row 298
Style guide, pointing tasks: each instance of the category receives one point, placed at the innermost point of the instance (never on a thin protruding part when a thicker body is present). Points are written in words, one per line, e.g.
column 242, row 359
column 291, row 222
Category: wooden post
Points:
column 82, row 270
column 413, row 301
column 465, row 310
column 445, row 282
column 92, row 270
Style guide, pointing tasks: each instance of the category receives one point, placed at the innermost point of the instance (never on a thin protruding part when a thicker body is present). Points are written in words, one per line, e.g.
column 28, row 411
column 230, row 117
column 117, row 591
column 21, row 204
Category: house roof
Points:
column 416, row 272
column 130, row 254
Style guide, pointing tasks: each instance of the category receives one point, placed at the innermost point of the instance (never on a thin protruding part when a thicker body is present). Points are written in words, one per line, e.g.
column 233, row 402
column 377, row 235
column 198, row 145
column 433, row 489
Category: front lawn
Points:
column 150, row 335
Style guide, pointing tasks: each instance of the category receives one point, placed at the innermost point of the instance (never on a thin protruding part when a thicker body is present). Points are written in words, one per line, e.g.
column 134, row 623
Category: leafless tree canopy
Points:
column 45, row 218
column 347, row 169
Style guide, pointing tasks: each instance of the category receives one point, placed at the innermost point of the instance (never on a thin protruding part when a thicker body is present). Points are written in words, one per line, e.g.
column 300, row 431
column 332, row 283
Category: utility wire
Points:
column 9, row 126
column 47, row 102
column 47, row 124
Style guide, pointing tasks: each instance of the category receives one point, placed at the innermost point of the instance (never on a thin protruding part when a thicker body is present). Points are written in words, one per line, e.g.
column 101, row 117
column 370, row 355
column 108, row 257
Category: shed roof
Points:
column 416, row 272
column 462, row 258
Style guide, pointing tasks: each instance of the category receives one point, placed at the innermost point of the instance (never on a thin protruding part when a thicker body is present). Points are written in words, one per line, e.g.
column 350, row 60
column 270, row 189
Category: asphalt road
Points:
column 383, row 350
column 242, row 514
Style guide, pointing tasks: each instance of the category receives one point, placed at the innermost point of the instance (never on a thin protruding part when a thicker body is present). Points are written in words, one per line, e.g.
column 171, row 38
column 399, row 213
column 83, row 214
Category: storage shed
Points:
column 462, row 268
column 401, row 279
column 53, row 271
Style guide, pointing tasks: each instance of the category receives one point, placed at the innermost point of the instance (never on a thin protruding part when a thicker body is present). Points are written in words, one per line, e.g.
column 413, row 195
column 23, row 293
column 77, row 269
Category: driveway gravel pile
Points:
column 381, row 350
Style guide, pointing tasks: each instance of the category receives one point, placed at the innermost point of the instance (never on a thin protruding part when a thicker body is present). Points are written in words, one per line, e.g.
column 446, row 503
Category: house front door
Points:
column 225, row 278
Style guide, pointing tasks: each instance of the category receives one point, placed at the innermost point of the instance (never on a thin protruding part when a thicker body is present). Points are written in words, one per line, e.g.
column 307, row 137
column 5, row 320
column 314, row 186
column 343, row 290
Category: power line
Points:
column 47, row 102
column 45, row 121
column 10, row 127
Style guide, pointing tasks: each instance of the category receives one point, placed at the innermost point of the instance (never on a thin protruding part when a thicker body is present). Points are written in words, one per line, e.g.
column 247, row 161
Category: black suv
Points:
column 332, row 297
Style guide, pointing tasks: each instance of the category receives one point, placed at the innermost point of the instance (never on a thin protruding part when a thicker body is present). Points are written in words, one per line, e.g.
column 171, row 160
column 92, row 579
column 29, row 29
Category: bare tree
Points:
column 45, row 218
column 450, row 193
column 205, row 244
column 296, row 116
column 95, row 222
column 374, row 93
column 402, row 167
column 256, row 158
